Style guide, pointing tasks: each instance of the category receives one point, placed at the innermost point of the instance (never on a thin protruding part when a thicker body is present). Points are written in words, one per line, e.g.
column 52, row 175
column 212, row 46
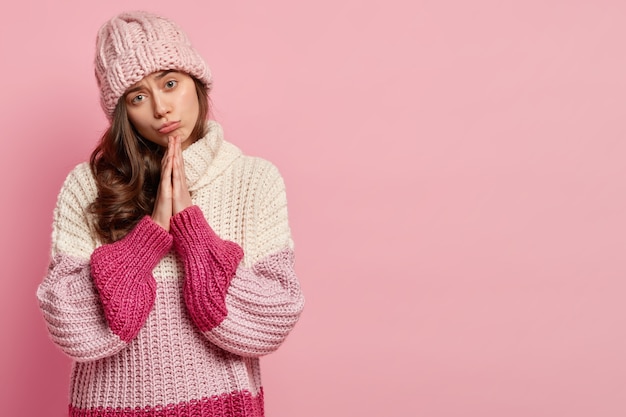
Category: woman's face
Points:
column 163, row 104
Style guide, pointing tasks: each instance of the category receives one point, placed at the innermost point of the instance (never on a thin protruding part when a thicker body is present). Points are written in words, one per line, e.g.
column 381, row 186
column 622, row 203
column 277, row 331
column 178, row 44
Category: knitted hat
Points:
column 134, row 44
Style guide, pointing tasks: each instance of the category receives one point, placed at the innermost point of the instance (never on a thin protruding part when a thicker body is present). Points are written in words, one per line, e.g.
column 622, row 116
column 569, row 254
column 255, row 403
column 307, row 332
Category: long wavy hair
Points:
column 127, row 169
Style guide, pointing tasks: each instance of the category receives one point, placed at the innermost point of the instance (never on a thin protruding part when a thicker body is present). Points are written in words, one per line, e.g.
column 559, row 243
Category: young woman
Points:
column 172, row 262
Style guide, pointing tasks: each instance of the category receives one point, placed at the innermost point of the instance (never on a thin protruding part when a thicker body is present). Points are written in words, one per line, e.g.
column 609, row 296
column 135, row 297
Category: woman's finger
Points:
column 181, row 197
column 162, row 211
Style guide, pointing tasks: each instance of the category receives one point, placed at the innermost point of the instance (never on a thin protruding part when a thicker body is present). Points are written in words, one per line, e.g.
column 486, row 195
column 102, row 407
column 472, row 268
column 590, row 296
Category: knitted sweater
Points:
column 173, row 324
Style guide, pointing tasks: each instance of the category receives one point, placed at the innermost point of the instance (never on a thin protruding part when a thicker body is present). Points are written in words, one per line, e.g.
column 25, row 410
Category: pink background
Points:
column 457, row 188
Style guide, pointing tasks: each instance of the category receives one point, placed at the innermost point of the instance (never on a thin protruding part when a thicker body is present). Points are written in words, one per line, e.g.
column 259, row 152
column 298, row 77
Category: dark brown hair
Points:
column 127, row 169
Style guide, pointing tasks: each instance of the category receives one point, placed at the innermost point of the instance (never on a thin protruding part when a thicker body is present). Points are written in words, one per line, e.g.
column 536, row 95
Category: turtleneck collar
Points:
column 206, row 158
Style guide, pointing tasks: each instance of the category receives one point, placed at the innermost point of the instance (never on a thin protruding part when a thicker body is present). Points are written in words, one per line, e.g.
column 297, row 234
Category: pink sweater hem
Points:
column 237, row 404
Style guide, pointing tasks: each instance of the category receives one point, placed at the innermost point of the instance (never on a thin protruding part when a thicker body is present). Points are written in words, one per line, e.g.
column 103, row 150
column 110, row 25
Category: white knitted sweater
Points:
column 173, row 323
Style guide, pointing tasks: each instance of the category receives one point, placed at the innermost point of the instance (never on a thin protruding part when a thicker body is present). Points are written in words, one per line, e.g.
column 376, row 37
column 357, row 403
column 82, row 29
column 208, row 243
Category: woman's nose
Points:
column 161, row 106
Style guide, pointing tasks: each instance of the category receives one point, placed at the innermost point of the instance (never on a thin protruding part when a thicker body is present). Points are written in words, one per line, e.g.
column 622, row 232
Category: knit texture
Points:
column 122, row 273
column 132, row 45
column 210, row 263
column 173, row 324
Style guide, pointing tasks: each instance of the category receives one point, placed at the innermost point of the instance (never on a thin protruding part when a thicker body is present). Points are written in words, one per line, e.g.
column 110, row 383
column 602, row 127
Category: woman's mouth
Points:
column 168, row 127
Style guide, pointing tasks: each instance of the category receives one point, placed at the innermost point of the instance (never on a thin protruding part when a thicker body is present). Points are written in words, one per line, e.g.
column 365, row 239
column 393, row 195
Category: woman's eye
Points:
column 138, row 98
column 170, row 84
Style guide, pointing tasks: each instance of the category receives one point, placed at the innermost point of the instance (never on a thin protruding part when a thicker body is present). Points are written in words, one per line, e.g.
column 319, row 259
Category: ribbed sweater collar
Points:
column 208, row 157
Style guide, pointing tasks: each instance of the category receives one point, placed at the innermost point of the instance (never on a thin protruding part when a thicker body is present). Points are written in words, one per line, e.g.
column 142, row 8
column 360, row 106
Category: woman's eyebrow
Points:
column 159, row 76
column 163, row 74
column 133, row 89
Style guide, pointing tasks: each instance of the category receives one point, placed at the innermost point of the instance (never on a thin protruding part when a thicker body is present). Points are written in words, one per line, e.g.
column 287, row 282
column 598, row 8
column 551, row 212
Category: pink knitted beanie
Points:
column 134, row 44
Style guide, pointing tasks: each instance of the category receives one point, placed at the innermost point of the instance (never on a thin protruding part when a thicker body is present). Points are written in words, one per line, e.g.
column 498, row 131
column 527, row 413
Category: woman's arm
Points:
column 95, row 300
column 244, row 310
column 73, row 312
column 122, row 273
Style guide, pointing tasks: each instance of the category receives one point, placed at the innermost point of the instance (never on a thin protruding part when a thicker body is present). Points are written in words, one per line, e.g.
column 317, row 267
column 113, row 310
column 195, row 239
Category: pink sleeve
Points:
column 122, row 273
column 73, row 312
column 210, row 263
column 246, row 311
column 264, row 304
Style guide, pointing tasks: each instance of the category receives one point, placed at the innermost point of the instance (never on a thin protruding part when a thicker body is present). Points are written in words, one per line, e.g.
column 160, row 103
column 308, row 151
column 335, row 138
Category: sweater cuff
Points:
column 146, row 244
column 121, row 272
column 210, row 263
column 190, row 226
column 151, row 239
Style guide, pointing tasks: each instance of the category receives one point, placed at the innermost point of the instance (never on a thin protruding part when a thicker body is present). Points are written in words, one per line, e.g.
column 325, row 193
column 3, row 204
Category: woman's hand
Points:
column 162, row 211
column 181, row 199
column 173, row 195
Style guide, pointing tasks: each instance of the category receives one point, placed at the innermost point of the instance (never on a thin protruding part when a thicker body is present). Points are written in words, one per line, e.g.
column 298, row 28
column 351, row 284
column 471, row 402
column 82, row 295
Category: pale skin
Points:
column 173, row 195
column 164, row 107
